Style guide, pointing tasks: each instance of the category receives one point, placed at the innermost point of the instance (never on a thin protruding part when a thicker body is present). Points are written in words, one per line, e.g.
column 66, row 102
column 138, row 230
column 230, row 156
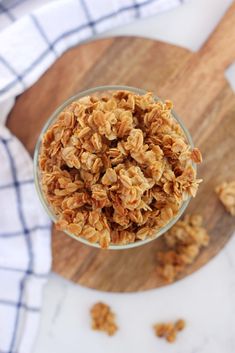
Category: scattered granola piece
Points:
column 171, row 336
column 183, row 242
column 122, row 155
column 169, row 330
column 180, row 325
column 103, row 319
column 226, row 193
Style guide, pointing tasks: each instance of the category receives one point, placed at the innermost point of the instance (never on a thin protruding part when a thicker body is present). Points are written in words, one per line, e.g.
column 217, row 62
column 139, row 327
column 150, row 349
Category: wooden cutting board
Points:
column 202, row 97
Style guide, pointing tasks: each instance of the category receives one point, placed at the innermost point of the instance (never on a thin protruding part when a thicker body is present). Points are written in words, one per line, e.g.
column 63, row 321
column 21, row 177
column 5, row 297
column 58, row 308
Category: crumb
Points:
column 180, row 325
column 171, row 336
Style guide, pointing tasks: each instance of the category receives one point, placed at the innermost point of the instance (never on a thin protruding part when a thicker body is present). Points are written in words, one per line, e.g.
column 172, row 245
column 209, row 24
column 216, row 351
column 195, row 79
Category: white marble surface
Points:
column 206, row 299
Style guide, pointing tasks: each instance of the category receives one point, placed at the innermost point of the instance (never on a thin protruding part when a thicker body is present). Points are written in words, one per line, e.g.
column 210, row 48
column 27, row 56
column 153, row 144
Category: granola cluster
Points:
column 116, row 169
column 169, row 330
column 184, row 241
column 226, row 194
column 103, row 319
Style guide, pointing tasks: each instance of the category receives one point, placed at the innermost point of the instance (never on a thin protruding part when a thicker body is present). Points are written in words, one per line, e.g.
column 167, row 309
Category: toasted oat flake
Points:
column 183, row 244
column 122, row 155
column 103, row 319
column 196, row 155
column 226, row 194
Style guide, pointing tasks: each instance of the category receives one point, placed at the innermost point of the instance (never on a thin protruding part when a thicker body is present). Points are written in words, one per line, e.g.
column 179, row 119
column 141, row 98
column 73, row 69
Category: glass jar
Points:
column 37, row 177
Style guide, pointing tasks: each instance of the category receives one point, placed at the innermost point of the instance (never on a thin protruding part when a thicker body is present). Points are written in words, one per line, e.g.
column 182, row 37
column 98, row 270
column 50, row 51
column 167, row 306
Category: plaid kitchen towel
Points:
column 32, row 37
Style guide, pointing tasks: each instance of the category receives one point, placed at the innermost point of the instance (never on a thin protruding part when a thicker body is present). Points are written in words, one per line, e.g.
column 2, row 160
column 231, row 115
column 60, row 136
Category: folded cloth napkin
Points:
column 31, row 39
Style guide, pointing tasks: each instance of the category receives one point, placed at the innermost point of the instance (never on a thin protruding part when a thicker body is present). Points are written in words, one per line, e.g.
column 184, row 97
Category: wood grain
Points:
column 202, row 97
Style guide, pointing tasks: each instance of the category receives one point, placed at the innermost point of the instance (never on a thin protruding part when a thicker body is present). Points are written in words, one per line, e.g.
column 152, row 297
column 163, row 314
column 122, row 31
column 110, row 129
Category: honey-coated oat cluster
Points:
column 169, row 330
column 183, row 241
column 116, row 169
column 103, row 319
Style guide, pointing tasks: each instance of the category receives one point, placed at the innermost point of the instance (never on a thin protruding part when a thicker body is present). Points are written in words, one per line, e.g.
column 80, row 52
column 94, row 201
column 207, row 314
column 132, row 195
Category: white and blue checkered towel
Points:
column 32, row 37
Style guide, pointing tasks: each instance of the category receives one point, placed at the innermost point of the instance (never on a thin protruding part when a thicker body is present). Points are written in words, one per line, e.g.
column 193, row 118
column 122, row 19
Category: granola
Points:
column 116, row 169
column 169, row 330
column 226, row 193
column 103, row 319
column 183, row 242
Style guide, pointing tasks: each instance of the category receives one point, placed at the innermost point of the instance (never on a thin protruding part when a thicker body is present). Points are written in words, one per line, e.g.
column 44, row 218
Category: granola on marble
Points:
column 183, row 241
column 226, row 194
column 103, row 319
column 169, row 330
column 116, row 169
